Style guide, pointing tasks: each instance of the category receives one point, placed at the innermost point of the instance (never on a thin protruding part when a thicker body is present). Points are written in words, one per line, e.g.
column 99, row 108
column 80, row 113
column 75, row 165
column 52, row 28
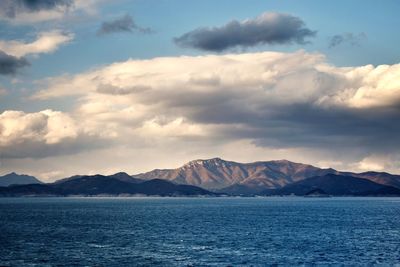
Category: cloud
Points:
column 122, row 24
column 115, row 90
column 35, row 11
column 9, row 65
column 44, row 133
column 10, row 8
column 276, row 105
column 289, row 100
column 46, row 42
column 347, row 38
column 268, row 28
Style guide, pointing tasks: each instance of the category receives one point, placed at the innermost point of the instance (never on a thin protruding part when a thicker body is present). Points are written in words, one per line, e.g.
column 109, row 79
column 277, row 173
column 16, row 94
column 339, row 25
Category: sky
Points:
column 101, row 86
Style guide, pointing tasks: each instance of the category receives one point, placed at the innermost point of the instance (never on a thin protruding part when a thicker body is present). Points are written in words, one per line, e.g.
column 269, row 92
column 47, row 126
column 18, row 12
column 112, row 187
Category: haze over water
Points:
column 198, row 231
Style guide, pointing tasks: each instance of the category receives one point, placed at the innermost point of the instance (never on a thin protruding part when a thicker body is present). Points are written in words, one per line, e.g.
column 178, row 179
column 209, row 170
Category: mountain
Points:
column 104, row 185
column 215, row 174
column 337, row 185
column 13, row 178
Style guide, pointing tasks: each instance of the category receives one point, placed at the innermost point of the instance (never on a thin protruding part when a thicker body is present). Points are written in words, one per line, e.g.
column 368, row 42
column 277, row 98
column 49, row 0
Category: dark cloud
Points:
column 10, row 8
column 305, row 126
column 269, row 28
column 336, row 128
column 348, row 38
column 122, row 24
column 35, row 149
column 9, row 65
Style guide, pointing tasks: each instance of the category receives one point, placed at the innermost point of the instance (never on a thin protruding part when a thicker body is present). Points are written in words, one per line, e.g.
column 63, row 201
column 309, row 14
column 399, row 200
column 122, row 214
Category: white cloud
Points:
column 47, row 127
column 46, row 133
column 371, row 164
column 176, row 128
column 267, row 77
column 46, row 42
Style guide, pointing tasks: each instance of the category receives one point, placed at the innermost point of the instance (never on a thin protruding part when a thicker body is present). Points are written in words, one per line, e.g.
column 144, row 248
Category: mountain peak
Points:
column 206, row 162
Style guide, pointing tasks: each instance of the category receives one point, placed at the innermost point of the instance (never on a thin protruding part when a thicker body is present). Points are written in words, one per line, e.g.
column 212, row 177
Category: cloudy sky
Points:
column 101, row 86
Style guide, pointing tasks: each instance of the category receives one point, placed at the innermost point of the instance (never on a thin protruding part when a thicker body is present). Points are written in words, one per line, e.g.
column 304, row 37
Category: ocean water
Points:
column 199, row 231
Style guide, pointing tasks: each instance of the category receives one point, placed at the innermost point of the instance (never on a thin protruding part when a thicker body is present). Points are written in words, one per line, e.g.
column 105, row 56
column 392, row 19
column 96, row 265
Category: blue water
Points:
column 199, row 231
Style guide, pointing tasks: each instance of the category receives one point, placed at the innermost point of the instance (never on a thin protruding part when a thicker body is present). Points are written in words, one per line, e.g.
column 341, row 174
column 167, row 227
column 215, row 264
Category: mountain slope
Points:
column 14, row 179
column 217, row 173
column 337, row 185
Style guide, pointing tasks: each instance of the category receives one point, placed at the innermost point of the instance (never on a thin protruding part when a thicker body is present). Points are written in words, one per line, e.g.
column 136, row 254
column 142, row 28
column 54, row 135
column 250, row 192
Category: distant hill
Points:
column 121, row 176
column 104, row 185
column 13, row 179
column 336, row 185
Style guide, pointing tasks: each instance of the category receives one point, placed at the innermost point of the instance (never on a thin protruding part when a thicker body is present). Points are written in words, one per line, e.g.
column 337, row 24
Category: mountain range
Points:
column 218, row 176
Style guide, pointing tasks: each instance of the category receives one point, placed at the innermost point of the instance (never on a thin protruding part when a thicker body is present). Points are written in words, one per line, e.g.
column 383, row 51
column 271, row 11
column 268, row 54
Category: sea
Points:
column 270, row 231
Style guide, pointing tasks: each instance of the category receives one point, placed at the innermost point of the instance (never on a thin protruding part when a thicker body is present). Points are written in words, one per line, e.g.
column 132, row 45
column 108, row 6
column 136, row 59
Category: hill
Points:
column 336, row 185
column 14, row 178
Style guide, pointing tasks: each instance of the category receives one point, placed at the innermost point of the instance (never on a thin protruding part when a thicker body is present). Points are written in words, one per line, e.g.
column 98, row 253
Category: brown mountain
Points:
column 217, row 174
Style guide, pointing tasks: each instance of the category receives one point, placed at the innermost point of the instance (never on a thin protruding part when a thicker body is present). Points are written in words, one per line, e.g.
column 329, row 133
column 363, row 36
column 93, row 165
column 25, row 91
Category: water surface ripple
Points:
column 199, row 231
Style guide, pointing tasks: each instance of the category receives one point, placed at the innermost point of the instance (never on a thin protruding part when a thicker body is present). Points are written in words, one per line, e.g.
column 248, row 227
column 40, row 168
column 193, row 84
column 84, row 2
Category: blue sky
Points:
column 172, row 18
column 367, row 30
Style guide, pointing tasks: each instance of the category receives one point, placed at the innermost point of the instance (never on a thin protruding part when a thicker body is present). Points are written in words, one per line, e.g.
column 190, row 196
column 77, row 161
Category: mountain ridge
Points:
column 234, row 178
